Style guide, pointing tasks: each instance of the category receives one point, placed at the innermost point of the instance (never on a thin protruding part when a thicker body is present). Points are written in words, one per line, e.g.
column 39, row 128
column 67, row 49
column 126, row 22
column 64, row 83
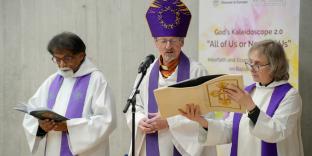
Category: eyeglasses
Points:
column 255, row 67
column 66, row 59
column 164, row 42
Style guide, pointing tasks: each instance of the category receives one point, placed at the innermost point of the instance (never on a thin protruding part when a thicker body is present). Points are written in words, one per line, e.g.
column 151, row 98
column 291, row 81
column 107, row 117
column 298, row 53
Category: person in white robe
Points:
column 87, row 134
column 272, row 125
column 174, row 136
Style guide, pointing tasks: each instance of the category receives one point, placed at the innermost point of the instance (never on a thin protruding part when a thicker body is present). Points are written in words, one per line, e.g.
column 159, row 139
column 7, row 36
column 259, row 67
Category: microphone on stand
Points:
column 149, row 59
column 132, row 99
column 146, row 63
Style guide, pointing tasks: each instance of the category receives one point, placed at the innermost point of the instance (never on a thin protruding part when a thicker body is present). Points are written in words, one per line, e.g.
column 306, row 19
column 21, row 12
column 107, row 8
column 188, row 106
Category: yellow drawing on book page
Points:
column 217, row 96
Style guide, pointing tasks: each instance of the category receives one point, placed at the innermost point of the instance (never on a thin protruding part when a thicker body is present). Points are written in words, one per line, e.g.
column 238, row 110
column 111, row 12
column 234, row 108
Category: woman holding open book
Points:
column 272, row 125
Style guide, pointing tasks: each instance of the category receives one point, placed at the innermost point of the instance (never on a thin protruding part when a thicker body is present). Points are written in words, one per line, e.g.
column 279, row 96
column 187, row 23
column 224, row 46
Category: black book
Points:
column 41, row 113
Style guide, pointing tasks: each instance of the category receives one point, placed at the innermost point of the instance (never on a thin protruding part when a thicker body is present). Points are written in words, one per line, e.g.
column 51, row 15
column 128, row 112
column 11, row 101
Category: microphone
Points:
column 142, row 69
column 146, row 63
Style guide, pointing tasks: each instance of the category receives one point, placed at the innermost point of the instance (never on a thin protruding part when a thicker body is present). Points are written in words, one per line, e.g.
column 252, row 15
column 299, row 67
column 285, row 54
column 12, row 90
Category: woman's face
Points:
column 259, row 67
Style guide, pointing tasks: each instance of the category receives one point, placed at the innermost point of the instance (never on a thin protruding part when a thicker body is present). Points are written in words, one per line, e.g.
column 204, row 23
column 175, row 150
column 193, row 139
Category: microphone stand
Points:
column 132, row 100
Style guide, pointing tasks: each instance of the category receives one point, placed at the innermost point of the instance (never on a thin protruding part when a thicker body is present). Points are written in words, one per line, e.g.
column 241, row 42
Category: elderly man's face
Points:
column 66, row 59
column 169, row 47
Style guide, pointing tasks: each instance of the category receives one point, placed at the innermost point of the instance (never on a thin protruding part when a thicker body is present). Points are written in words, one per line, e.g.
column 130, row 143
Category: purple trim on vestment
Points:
column 75, row 104
column 152, row 147
column 267, row 149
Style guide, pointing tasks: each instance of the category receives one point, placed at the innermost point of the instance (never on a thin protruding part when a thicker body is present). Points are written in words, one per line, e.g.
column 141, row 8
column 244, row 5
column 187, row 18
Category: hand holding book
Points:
column 40, row 113
column 48, row 125
column 241, row 97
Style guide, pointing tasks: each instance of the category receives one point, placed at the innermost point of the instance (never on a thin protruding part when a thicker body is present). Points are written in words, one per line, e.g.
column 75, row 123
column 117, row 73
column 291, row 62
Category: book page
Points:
column 22, row 107
column 170, row 99
column 217, row 99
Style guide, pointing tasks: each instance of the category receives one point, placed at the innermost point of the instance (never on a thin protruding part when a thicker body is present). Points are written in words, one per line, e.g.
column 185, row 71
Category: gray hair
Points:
column 276, row 56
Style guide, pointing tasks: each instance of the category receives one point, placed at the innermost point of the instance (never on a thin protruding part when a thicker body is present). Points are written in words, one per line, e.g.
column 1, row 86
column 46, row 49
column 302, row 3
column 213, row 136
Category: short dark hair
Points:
column 67, row 41
column 276, row 56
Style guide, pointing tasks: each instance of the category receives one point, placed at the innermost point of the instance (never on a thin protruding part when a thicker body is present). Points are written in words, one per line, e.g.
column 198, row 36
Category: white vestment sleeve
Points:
column 30, row 127
column 30, row 123
column 284, row 121
column 96, row 126
column 184, row 131
column 219, row 132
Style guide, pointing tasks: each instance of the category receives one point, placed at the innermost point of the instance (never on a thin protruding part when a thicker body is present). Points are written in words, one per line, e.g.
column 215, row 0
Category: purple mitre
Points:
column 168, row 18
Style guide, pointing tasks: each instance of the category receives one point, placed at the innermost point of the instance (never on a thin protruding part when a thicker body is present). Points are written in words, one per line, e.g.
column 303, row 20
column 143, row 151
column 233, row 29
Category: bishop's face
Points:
column 169, row 48
column 67, row 59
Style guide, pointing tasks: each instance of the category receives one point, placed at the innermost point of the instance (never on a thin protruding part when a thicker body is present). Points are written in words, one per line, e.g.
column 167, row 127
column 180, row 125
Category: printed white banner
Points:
column 228, row 28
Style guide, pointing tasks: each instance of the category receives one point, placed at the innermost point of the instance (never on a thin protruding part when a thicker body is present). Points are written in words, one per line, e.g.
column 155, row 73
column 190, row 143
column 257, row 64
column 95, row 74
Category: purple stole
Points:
column 267, row 149
column 75, row 105
column 152, row 147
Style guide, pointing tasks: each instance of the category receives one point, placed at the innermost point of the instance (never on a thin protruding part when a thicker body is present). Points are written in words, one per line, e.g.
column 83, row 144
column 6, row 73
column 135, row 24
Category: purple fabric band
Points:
column 152, row 147
column 75, row 105
column 267, row 149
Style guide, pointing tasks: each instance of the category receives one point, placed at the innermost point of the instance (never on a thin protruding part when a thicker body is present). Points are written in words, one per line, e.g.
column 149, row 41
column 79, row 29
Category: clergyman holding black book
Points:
column 78, row 91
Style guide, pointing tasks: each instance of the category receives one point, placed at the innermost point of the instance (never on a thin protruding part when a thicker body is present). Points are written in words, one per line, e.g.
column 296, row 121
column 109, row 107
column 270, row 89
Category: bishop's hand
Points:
column 157, row 122
column 145, row 126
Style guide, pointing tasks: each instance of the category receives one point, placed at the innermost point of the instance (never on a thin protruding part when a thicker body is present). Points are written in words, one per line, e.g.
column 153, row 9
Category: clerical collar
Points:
column 167, row 70
column 266, row 84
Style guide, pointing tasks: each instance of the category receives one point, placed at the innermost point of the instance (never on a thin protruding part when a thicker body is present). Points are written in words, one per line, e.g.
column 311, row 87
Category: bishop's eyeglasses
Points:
column 164, row 42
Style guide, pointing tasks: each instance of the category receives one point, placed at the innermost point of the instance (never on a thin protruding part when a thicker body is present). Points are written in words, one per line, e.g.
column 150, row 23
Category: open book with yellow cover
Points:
column 206, row 91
